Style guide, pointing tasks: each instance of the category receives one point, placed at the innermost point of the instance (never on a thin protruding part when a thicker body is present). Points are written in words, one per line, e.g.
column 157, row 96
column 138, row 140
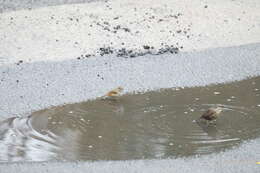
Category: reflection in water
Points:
column 151, row 125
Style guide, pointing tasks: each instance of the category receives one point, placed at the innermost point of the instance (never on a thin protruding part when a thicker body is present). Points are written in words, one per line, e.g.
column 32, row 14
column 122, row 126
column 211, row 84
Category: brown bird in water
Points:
column 113, row 93
column 211, row 114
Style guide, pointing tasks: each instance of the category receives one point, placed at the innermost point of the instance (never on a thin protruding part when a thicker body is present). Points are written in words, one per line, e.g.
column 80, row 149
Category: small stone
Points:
column 160, row 20
column 146, row 47
column 126, row 29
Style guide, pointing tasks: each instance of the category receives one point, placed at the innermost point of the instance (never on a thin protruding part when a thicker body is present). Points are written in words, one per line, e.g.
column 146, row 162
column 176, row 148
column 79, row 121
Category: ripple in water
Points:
column 151, row 125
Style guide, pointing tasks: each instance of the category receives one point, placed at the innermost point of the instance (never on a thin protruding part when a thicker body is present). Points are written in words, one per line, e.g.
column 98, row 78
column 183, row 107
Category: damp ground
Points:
column 158, row 124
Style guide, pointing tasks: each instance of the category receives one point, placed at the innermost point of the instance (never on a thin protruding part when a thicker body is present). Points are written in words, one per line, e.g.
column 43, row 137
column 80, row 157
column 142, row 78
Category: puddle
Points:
column 151, row 125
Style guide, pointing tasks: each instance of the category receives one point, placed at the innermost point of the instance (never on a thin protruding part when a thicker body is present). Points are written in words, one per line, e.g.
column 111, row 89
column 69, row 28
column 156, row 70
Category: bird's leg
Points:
column 214, row 122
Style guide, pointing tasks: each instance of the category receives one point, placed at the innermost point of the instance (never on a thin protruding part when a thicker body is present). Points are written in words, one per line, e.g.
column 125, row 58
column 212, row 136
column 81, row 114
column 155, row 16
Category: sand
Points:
column 78, row 30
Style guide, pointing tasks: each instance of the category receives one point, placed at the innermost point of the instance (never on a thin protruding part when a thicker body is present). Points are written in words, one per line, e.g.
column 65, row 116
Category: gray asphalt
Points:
column 33, row 86
column 12, row 5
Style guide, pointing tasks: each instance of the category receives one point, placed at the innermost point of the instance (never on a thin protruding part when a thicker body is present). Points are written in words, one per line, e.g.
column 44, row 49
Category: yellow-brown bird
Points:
column 211, row 114
column 113, row 93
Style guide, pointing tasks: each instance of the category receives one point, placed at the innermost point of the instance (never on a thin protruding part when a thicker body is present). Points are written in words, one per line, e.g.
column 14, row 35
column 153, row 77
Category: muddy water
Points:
column 151, row 125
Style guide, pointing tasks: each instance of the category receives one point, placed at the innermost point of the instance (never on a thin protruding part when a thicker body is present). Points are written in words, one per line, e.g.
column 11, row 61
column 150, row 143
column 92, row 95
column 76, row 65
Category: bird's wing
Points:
column 112, row 93
column 208, row 114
